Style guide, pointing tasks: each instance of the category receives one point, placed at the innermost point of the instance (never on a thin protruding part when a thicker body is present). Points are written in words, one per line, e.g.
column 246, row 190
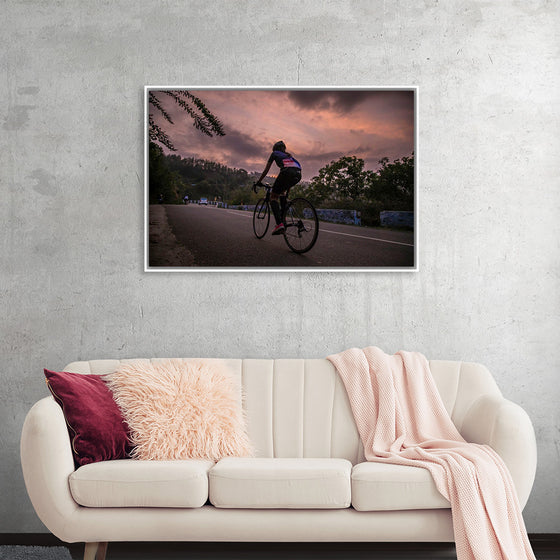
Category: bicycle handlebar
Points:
column 258, row 184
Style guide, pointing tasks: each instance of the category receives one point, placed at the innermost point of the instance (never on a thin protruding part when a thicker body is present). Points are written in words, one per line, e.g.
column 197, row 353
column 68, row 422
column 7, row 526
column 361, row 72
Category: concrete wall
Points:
column 71, row 214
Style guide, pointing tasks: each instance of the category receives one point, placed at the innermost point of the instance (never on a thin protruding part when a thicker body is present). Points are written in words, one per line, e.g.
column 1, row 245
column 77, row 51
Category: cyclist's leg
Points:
column 277, row 193
column 284, row 203
column 286, row 179
column 275, row 207
column 293, row 178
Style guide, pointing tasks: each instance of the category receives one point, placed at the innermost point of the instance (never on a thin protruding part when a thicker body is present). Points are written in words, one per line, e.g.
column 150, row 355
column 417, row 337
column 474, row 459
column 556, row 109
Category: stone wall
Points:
column 393, row 218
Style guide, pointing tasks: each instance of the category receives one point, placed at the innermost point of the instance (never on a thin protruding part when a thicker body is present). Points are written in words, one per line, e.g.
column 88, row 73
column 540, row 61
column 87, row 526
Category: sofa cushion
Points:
column 97, row 429
column 382, row 486
column 237, row 482
column 181, row 409
column 132, row 483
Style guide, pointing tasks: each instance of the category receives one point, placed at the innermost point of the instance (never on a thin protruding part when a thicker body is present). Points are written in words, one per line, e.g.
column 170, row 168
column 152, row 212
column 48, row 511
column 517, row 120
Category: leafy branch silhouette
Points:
column 202, row 117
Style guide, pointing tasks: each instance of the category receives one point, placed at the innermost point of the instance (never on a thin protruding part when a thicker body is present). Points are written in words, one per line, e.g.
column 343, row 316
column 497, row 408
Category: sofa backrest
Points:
column 299, row 407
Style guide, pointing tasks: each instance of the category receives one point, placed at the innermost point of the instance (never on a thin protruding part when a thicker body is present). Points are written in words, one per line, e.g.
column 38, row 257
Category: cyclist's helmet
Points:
column 279, row 147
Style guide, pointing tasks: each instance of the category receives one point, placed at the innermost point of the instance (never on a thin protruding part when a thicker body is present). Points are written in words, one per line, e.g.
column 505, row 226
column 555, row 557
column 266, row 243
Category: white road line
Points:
column 237, row 213
column 321, row 230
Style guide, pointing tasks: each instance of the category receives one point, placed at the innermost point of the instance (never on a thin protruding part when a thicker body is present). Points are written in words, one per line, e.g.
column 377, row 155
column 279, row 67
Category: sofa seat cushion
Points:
column 382, row 486
column 135, row 483
column 280, row 483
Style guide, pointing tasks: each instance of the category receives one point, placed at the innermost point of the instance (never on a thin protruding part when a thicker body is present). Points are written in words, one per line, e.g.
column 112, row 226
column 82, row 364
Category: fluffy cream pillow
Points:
column 181, row 409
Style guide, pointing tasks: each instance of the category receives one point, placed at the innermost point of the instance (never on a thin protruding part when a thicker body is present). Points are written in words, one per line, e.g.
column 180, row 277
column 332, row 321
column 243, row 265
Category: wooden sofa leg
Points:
column 101, row 551
column 95, row 551
column 90, row 551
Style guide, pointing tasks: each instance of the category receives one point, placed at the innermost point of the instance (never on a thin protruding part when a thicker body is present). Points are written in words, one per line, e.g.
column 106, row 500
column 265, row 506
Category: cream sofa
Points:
column 308, row 481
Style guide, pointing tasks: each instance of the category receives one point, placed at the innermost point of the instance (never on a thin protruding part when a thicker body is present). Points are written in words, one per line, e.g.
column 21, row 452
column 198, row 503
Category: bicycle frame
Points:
column 299, row 214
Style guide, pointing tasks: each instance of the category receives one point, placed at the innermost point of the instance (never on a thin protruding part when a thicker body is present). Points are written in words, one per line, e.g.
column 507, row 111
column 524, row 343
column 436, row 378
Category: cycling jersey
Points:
column 284, row 160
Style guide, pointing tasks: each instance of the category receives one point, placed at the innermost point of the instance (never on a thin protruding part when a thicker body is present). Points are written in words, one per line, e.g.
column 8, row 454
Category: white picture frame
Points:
column 253, row 116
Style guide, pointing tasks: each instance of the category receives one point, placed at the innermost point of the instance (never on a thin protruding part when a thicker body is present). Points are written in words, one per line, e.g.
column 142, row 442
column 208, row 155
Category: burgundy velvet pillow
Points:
column 95, row 423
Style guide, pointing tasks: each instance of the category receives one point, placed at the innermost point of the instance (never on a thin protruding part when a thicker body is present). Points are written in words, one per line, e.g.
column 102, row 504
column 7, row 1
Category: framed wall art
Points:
column 264, row 179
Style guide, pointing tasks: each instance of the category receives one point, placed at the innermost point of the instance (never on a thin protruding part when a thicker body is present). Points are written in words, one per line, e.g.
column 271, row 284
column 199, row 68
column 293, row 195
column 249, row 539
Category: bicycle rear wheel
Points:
column 302, row 225
column 261, row 218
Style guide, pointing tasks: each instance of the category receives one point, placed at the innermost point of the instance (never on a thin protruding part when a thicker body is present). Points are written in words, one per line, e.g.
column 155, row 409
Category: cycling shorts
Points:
column 287, row 178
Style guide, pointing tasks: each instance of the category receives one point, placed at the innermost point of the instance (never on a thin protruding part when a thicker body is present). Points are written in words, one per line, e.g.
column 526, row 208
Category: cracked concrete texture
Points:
column 72, row 284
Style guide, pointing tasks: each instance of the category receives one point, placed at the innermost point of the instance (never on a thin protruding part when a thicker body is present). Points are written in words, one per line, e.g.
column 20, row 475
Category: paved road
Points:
column 218, row 237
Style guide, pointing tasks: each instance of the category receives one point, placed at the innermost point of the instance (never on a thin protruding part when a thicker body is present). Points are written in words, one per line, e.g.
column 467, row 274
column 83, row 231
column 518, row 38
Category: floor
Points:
column 544, row 550
column 546, row 547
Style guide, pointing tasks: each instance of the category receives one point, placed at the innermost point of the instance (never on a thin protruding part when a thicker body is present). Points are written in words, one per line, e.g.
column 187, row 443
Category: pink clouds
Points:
column 316, row 125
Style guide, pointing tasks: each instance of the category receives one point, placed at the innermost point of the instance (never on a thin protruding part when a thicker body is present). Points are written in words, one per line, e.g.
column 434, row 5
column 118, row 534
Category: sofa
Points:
column 307, row 481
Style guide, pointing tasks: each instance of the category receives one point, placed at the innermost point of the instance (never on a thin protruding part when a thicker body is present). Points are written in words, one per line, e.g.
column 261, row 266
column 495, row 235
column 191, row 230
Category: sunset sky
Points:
column 318, row 126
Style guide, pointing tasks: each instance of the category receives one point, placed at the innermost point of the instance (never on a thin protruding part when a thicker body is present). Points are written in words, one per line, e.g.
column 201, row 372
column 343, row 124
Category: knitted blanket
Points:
column 401, row 419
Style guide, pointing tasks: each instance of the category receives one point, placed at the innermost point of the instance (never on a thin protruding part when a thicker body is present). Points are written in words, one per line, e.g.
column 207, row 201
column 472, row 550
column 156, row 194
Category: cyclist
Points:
column 289, row 175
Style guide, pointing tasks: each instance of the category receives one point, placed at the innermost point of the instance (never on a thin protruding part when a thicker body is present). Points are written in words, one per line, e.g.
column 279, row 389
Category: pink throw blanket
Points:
column 401, row 420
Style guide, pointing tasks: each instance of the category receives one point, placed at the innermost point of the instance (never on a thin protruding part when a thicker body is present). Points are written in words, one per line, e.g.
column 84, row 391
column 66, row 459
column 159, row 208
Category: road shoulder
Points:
column 163, row 248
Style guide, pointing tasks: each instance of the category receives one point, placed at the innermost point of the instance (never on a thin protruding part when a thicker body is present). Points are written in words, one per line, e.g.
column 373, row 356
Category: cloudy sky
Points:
column 318, row 126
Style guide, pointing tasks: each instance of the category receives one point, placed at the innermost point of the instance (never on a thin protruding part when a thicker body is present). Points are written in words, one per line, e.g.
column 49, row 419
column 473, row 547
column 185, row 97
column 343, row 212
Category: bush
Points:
column 370, row 214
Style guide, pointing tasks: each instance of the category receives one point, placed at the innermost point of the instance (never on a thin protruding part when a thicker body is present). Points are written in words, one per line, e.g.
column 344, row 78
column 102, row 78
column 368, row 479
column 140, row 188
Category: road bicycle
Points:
column 300, row 221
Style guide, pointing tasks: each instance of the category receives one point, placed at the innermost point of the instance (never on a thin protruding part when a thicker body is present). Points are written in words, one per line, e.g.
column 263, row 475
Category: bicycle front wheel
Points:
column 261, row 218
column 302, row 225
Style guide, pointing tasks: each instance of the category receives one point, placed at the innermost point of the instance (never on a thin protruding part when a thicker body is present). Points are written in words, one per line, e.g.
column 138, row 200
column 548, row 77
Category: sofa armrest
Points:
column 47, row 461
column 506, row 427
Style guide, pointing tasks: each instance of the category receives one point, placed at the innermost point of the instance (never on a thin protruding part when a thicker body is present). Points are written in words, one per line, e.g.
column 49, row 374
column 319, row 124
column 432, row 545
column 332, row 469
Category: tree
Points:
column 164, row 185
column 341, row 180
column 393, row 184
column 203, row 119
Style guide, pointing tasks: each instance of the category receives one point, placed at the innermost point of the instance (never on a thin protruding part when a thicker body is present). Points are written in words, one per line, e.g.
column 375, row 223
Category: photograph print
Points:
column 280, row 179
